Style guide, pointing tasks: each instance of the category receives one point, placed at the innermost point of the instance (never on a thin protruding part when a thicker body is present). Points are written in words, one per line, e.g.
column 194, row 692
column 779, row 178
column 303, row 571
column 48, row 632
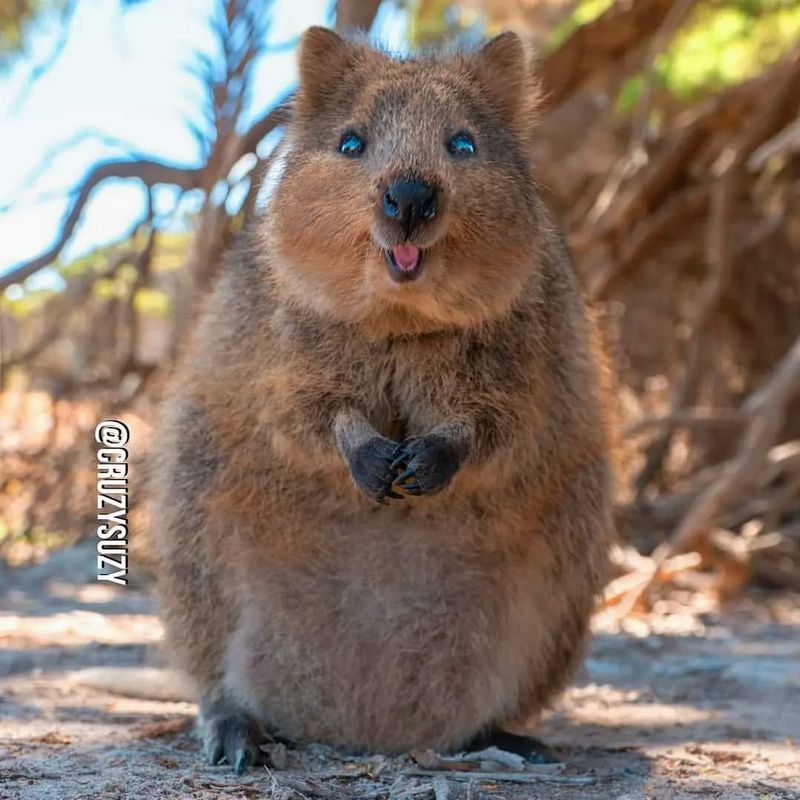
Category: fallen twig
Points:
column 441, row 790
column 509, row 777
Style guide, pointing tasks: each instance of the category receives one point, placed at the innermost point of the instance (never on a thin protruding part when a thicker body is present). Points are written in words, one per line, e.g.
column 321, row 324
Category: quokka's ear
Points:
column 505, row 69
column 324, row 56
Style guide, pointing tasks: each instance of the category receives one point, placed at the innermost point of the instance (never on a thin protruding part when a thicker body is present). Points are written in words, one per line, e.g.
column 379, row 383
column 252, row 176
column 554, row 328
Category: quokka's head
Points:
column 407, row 198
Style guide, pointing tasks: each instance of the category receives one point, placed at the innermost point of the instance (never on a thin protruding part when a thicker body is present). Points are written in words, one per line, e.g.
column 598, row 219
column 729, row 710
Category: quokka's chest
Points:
column 409, row 391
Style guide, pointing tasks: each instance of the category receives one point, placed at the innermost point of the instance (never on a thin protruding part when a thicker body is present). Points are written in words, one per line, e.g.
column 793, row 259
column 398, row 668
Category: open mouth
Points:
column 404, row 262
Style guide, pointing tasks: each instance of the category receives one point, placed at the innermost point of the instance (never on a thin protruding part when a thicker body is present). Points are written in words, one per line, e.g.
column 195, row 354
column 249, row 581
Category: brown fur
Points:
column 287, row 593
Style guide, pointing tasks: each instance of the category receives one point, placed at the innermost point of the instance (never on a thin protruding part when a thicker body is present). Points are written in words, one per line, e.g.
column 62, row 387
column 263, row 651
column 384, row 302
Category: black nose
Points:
column 410, row 202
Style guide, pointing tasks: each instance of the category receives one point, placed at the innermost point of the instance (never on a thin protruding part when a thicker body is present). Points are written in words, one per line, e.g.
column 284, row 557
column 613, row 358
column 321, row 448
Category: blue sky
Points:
column 122, row 75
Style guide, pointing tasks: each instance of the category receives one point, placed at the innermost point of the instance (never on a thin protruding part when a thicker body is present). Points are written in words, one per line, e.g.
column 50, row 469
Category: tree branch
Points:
column 724, row 198
column 694, row 418
column 766, row 409
column 355, row 14
column 263, row 126
column 148, row 171
column 765, row 412
column 593, row 47
column 58, row 310
column 61, row 308
column 59, row 149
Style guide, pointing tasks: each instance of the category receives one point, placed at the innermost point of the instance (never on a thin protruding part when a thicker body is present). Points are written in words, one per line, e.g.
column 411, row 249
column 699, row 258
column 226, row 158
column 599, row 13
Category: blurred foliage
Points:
column 724, row 44
column 27, row 302
column 169, row 254
column 584, row 12
column 33, row 537
column 431, row 21
column 20, row 19
column 17, row 18
column 721, row 45
column 152, row 301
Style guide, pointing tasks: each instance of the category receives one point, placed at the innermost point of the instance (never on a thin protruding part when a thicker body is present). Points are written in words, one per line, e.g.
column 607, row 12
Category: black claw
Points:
column 401, row 459
column 428, row 464
column 407, row 475
column 241, row 761
column 215, row 753
column 384, row 493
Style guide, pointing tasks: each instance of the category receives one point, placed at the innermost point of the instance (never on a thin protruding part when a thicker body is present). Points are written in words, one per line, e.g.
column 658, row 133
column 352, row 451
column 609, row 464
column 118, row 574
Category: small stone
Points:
column 276, row 754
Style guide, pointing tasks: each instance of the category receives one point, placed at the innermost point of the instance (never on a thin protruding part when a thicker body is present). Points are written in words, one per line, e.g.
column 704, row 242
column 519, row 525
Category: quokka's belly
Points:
column 395, row 638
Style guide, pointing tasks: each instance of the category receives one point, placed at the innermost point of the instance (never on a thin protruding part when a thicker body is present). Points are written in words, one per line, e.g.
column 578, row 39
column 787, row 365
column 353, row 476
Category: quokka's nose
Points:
column 410, row 202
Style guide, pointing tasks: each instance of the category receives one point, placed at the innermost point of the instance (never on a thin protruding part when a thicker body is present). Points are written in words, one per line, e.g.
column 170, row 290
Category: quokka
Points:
column 382, row 482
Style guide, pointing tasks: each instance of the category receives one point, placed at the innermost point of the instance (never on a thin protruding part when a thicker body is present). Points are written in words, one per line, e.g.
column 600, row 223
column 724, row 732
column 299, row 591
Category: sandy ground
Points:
column 676, row 705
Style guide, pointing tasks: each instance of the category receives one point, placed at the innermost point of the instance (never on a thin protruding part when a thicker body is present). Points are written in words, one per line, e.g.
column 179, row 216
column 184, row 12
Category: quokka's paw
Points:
column 371, row 467
column 234, row 737
column 425, row 464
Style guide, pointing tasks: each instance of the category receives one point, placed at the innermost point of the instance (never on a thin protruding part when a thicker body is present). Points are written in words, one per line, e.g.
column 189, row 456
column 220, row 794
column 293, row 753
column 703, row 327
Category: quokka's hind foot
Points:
column 231, row 735
column 533, row 750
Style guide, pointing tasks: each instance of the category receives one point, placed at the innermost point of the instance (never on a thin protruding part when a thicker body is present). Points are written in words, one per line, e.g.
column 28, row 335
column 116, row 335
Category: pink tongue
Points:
column 406, row 256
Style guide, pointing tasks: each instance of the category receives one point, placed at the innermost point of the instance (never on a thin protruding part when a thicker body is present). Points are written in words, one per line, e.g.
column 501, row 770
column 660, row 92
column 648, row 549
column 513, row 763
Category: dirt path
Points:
column 676, row 706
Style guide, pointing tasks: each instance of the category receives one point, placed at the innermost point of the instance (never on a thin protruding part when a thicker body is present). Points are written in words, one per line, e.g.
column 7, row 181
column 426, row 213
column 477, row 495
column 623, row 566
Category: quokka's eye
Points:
column 462, row 145
column 352, row 145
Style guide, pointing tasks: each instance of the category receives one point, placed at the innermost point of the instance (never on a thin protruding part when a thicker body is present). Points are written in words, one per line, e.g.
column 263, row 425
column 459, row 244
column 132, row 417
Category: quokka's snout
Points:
column 410, row 216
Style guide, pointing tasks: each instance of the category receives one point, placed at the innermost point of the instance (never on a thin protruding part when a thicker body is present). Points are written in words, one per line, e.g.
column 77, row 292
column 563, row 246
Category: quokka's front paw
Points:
column 371, row 465
column 425, row 464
